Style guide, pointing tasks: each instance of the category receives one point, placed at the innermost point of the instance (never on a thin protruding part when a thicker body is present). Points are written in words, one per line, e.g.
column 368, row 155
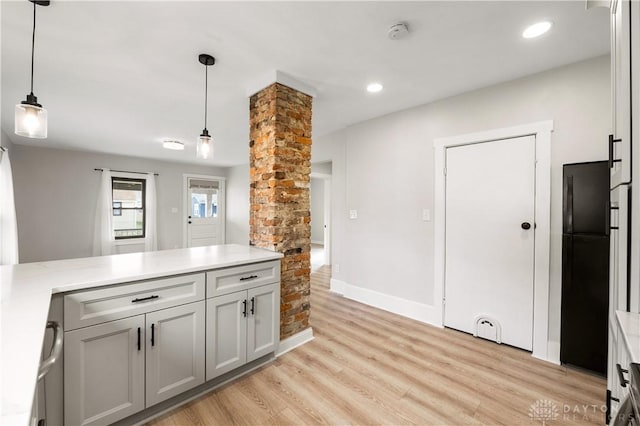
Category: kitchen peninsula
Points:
column 108, row 291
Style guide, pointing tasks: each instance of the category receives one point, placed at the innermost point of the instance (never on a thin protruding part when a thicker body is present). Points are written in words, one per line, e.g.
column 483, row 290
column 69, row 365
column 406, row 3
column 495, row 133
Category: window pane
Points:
column 129, row 223
column 128, row 193
column 204, row 203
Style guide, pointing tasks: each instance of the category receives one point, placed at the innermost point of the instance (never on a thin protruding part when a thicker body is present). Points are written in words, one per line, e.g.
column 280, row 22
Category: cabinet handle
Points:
column 144, row 298
column 253, row 306
column 621, row 372
column 56, row 349
column 244, row 307
column 138, row 338
column 611, row 159
column 153, row 334
column 250, row 277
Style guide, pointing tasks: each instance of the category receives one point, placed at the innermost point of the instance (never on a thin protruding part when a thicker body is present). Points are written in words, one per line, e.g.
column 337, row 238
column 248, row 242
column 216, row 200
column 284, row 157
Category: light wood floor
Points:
column 370, row 367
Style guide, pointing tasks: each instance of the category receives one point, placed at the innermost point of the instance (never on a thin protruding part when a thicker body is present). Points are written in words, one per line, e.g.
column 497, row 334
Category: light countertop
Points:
column 25, row 294
column 629, row 323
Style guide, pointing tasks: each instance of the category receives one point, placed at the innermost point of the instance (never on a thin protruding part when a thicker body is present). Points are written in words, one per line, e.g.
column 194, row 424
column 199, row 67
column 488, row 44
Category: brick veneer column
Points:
column 280, row 167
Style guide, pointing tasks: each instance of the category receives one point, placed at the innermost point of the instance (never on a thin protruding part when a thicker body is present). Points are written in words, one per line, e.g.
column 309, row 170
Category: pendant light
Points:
column 30, row 117
column 205, row 143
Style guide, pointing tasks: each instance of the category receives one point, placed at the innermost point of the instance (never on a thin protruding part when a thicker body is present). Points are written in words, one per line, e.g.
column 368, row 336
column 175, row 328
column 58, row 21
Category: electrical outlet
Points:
column 174, row 210
column 426, row 215
column 336, row 268
column 353, row 214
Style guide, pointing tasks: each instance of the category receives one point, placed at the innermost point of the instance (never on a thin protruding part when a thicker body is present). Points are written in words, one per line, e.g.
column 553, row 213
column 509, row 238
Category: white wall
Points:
column 238, row 205
column 316, row 195
column 383, row 168
column 56, row 192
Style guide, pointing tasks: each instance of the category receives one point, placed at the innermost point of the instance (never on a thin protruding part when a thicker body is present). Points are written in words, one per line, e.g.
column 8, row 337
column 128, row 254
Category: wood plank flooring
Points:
column 371, row 367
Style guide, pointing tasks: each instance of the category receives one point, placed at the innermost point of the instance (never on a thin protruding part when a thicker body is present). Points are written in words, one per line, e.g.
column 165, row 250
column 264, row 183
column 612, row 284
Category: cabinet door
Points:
column 618, row 252
column 226, row 333
column 174, row 351
column 263, row 331
column 620, row 152
column 104, row 372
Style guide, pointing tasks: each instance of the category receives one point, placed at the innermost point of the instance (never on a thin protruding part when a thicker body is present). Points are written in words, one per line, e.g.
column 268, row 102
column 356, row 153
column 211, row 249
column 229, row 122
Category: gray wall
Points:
column 238, row 205
column 316, row 195
column 56, row 190
column 390, row 159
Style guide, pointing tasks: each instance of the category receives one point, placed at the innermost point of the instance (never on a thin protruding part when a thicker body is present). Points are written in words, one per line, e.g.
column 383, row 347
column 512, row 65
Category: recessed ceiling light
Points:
column 174, row 145
column 374, row 87
column 537, row 29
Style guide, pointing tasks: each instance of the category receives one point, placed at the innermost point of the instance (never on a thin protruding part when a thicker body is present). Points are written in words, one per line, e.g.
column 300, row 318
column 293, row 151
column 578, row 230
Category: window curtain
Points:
column 8, row 222
column 103, row 238
column 151, row 237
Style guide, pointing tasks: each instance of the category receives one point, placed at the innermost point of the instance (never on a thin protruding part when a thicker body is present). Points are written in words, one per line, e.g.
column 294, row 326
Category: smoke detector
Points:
column 398, row 31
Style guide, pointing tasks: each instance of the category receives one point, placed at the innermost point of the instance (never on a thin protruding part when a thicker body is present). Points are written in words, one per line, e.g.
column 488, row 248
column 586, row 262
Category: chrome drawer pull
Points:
column 56, row 349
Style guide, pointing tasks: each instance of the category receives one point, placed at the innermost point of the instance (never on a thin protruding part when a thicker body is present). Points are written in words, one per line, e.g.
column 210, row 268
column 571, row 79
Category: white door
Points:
column 104, row 372
column 175, row 351
column 205, row 211
column 226, row 333
column 263, row 327
column 489, row 258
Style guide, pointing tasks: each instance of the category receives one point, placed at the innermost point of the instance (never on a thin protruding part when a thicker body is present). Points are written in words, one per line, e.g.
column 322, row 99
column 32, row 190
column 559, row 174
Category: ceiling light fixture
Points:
column 374, row 87
column 30, row 117
column 205, row 143
column 537, row 29
column 173, row 145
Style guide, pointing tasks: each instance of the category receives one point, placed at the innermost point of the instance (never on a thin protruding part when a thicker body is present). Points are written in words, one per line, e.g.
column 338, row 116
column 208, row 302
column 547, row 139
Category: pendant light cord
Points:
column 206, row 85
column 33, row 43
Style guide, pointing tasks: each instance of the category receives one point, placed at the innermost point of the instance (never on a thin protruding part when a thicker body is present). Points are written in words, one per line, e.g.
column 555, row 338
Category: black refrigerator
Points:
column 585, row 265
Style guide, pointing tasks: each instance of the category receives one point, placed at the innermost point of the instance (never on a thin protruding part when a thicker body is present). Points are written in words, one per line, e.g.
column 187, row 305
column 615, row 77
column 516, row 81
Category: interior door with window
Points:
column 205, row 211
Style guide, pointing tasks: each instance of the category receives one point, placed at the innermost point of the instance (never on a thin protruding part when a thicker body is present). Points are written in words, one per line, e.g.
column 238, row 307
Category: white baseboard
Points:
column 406, row 308
column 552, row 355
column 337, row 286
column 294, row 341
column 321, row 243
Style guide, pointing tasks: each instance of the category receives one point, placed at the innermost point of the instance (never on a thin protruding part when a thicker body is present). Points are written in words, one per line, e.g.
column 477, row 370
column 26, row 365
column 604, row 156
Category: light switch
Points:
column 426, row 215
column 353, row 214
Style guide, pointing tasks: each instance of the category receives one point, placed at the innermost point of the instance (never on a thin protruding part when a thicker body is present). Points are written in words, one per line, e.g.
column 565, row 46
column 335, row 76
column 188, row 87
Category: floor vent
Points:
column 488, row 328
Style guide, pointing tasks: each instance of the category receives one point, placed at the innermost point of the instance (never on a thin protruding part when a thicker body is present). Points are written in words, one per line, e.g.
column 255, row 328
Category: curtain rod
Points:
column 125, row 171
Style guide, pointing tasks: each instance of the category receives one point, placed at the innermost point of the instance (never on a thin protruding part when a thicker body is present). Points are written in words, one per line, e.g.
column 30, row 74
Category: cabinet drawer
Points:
column 97, row 306
column 229, row 280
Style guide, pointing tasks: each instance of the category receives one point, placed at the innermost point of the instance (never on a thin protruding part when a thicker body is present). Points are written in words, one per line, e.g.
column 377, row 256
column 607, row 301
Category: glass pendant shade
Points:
column 205, row 146
column 31, row 121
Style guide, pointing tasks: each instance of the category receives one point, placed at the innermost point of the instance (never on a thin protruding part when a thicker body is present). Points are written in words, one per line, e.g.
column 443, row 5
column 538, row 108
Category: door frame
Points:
column 222, row 201
column 542, row 132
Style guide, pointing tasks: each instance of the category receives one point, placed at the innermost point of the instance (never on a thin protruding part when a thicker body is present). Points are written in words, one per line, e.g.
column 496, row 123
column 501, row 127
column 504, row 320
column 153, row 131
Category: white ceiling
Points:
column 118, row 77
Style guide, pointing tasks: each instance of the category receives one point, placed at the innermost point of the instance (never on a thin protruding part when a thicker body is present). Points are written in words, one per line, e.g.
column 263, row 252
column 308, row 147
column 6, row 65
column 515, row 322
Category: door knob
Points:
column 525, row 225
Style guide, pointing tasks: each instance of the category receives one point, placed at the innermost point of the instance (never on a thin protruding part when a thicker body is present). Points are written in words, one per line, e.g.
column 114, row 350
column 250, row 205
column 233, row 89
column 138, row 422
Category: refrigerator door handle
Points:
column 570, row 204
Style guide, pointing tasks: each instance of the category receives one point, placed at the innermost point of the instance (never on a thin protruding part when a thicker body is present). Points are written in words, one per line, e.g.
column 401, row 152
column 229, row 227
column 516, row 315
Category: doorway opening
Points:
column 320, row 208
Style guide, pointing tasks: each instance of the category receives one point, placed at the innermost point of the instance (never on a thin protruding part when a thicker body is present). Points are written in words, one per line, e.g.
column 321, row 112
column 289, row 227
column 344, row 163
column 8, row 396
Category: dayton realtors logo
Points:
column 544, row 411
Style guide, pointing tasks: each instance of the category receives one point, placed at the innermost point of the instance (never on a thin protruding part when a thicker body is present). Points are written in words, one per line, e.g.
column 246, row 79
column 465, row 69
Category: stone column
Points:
column 280, row 168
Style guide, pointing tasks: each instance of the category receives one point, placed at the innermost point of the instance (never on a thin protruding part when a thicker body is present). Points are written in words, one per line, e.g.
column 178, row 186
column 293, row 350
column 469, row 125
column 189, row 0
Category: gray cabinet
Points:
column 226, row 333
column 263, row 325
column 241, row 327
column 104, row 372
column 174, row 351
